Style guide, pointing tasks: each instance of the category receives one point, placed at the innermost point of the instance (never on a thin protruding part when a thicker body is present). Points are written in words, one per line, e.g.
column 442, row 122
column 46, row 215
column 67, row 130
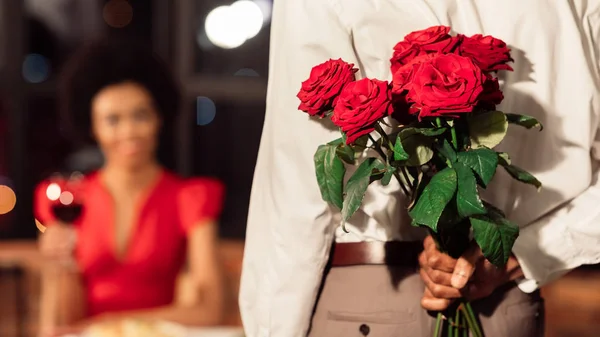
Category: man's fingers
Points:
column 428, row 242
column 438, row 260
column 465, row 266
column 430, row 302
column 438, row 290
column 476, row 291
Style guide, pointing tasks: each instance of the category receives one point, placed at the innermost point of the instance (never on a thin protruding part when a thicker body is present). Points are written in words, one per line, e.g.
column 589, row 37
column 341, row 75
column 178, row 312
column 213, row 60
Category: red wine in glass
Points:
column 66, row 196
column 67, row 213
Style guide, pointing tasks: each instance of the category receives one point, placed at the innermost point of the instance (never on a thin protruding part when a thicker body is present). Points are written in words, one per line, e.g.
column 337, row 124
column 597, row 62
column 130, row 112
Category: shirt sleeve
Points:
column 290, row 228
column 569, row 236
column 200, row 200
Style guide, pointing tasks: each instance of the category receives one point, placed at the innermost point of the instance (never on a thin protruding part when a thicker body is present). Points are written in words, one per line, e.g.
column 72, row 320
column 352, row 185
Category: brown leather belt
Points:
column 397, row 253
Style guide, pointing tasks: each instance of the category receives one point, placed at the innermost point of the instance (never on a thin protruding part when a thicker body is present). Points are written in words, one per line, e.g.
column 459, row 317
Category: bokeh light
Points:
column 66, row 198
column 249, row 16
column 53, row 191
column 36, row 68
column 230, row 26
column 39, row 226
column 8, row 199
column 266, row 7
column 246, row 72
column 117, row 13
column 205, row 110
column 221, row 31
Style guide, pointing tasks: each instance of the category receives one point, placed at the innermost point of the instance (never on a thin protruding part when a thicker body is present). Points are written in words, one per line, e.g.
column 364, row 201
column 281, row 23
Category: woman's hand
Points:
column 58, row 242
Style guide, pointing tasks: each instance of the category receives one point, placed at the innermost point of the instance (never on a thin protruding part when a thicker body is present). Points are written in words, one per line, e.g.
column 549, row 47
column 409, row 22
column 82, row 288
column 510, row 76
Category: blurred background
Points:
column 221, row 67
column 218, row 51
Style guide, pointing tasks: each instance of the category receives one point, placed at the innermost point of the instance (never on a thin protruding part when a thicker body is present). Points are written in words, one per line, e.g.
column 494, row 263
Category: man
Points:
column 372, row 289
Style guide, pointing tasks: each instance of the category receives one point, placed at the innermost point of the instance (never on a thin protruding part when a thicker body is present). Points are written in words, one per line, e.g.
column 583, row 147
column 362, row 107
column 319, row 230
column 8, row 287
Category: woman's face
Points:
column 125, row 123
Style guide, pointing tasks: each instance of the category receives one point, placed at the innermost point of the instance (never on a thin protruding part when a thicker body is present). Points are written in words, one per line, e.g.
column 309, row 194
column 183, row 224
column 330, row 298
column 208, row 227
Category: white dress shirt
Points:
column 556, row 79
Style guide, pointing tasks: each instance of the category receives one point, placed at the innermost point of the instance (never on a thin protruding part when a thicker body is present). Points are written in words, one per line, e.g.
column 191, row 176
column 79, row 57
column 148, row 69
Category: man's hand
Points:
column 470, row 276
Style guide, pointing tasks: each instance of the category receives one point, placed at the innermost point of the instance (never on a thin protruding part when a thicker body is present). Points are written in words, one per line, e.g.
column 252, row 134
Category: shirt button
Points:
column 364, row 329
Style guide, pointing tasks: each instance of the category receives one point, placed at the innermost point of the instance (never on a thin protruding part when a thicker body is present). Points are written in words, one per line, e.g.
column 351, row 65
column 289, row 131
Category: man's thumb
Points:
column 465, row 267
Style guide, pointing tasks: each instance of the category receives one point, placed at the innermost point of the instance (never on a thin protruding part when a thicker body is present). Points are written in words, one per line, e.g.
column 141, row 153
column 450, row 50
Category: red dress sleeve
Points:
column 42, row 206
column 200, row 200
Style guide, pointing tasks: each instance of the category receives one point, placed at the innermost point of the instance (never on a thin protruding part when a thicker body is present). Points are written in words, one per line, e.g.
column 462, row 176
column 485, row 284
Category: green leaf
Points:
column 361, row 142
column 345, row 153
column 417, row 146
column 524, row 121
column 330, row 172
column 338, row 141
column 522, row 176
column 399, row 152
column 468, row 202
column 487, row 129
column 495, row 211
column 450, row 220
column 503, row 158
column 387, row 176
column 517, row 172
column 357, row 186
column 496, row 236
column 434, row 198
column 430, row 131
column 482, row 161
column 447, row 151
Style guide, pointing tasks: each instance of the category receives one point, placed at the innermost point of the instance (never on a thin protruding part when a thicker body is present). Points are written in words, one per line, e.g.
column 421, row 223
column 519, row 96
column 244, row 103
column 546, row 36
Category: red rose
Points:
column 320, row 90
column 360, row 105
column 428, row 35
column 491, row 95
column 446, row 85
column 431, row 40
column 404, row 52
column 403, row 77
column 489, row 53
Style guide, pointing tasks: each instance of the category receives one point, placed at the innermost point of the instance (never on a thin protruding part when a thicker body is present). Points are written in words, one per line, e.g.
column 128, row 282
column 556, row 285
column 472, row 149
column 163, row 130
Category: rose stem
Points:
column 465, row 327
column 438, row 325
column 470, row 322
column 377, row 148
column 477, row 331
column 391, row 148
column 454, row 141
column 457, row 320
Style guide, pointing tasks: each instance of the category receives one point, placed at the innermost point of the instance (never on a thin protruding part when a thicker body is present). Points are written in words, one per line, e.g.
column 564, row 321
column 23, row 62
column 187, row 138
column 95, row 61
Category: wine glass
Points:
column 65, row 195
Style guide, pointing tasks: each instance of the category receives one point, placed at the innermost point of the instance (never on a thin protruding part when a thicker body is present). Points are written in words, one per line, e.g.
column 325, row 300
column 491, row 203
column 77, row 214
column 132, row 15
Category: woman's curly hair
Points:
column 101, row 63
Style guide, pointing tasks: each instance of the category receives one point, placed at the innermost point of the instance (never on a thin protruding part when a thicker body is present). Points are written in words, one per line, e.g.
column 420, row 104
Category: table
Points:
column 199, row 332
column 216, row 332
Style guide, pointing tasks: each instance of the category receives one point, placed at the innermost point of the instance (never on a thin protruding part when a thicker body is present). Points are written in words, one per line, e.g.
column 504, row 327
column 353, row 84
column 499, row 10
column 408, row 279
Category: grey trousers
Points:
column 384, row 301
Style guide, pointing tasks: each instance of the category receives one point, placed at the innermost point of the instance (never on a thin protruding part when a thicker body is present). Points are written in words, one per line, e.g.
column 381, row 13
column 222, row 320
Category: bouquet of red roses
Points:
column 443, row 96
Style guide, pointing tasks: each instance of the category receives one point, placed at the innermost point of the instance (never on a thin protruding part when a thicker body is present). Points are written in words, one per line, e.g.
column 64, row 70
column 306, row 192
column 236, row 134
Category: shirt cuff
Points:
column 559, row 242
column 527, row 285
column 545, row 251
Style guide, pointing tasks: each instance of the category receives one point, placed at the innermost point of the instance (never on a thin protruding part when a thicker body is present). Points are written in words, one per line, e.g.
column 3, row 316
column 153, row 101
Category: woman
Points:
column 137, row 217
